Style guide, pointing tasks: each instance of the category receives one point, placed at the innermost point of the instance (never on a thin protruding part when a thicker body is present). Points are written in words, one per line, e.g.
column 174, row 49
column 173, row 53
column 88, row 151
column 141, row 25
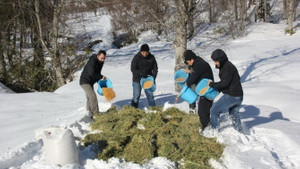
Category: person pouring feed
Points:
column 231, row 87
column 201, row 69
column 90, row 75
column 142, row 65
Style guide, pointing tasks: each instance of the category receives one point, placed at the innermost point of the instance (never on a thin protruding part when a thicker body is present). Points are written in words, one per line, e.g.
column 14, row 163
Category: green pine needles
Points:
column 133, row 135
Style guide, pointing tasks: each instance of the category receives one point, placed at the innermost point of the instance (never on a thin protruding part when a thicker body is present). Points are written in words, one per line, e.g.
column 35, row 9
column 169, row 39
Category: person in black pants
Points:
column 201, row 70
column 192, row 106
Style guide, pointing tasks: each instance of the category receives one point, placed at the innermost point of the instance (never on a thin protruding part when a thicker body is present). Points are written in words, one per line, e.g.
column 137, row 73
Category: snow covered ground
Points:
column 268, row 62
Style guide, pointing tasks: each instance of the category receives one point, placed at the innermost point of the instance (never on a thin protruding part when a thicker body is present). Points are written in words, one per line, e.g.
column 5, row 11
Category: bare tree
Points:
column 190, row 21
column 285, row 8
column 236, row 13
column 265, row 10
column 183, row 10
column 211, row 10
column 291, row 16
column 243, row 15
column 54, row 51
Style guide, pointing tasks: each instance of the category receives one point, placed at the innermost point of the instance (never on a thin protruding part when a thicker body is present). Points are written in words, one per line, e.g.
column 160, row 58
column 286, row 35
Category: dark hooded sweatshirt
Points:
column 92, row 71
column 143, row 66
column 229, row 77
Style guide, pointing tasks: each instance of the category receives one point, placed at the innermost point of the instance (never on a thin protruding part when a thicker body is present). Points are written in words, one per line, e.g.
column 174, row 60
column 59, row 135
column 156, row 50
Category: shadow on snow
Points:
column 160, row 100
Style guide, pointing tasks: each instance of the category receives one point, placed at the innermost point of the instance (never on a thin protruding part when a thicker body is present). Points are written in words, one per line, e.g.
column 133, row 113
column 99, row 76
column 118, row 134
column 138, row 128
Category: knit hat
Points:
column 145, row 47
column 189, row 55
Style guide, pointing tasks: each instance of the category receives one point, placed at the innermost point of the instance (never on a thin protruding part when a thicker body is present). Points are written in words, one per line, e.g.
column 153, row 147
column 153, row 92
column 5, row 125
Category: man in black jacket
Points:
column 89, row 76
column 201, row 70
column 142, row 65
column 231, row 87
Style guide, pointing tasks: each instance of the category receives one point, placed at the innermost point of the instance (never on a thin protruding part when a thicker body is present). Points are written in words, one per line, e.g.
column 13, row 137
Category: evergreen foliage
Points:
column 134, row 135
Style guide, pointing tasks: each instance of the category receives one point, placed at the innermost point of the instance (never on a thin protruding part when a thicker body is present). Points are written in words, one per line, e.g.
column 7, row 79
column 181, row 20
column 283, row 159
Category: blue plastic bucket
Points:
column 103, row 83
column 202, row 89
column 151, row 88
column 188, row 94
column 182, row 75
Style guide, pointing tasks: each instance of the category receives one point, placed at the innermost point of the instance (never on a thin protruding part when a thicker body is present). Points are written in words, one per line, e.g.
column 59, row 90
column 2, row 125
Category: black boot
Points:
column 134, row 104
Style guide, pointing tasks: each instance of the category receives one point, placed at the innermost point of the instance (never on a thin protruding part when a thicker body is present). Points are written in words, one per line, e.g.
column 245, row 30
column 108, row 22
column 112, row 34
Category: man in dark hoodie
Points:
column 231, row 87
column 142, row 65
column 90, row 75
column 200, row 70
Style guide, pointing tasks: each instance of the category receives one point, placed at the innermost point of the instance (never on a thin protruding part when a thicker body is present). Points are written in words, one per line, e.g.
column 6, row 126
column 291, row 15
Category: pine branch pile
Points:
column 133, row 135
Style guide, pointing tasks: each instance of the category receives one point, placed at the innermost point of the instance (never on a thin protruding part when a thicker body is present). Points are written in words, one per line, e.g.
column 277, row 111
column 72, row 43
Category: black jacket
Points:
column 92, row 71
column 201, row 70
column 229, row 77
column 143, row 66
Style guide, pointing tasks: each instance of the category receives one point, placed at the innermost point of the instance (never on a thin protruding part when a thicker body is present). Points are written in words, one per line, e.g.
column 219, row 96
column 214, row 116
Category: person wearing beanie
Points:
column 145, row 47
column 231, row 88
column 200, row 70
column 143, row 64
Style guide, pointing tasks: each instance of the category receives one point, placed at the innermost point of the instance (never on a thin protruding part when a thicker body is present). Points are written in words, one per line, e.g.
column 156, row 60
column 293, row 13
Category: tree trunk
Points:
column 224, row 4
column 180, row 42
column 22, row 32
column 3, row 71
column 243, row 13
column 180, row 45
column 211, row 11
column 265, row 10
column 53, row 38
column 236, row 10
column 291, row 16
column 190, row 21
column 285, row 8
column 256, row 11
column 250, row 3
column 8, row 49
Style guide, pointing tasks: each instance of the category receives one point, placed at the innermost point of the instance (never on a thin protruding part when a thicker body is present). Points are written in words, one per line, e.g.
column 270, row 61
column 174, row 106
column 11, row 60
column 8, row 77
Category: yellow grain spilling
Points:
column 108, row 93
column 202, row 91
column 180, row 79
column 147, row 84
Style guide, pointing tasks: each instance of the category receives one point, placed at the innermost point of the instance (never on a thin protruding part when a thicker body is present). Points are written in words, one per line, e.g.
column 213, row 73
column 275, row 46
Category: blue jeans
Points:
column 227, row 104
column 137, row 88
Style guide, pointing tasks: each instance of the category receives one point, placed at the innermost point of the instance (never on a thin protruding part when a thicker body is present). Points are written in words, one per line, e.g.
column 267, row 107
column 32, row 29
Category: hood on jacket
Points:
column 220, row 56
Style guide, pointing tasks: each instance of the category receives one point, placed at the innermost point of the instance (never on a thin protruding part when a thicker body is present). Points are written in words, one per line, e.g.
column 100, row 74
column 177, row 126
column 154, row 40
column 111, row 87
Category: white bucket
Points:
column 60, row 146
